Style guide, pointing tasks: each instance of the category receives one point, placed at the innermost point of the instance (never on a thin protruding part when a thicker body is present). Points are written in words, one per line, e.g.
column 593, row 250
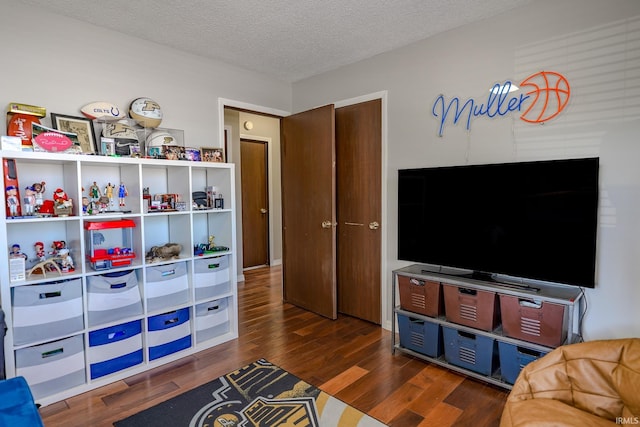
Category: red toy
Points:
column 109, row 243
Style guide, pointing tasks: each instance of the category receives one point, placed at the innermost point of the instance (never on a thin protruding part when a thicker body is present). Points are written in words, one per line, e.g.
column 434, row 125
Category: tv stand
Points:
column 567, row 297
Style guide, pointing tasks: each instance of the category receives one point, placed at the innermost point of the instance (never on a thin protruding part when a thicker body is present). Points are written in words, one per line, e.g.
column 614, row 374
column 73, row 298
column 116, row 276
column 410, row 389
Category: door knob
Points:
column 263, row 211
column 374, row 225
column 326, row 224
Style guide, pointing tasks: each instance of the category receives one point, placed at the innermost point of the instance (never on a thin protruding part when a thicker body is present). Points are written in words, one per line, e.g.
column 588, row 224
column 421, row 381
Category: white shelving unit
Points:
column 206, row 310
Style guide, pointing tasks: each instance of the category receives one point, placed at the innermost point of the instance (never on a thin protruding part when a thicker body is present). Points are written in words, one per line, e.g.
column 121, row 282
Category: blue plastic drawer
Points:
column 169, row 333
column 115, row 348
column 513, row 358
column 420, row 335
column 475, row 352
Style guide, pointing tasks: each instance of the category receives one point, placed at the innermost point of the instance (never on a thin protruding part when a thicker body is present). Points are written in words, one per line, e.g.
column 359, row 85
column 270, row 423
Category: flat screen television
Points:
column 527, row 220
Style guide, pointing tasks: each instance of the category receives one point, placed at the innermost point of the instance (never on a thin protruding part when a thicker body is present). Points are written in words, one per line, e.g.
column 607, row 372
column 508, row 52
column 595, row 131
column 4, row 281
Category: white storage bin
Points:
column 166, row 285
column 52, row 367
column 113, row 297
column 212, row 319
column 41, row 312
column 211, row 277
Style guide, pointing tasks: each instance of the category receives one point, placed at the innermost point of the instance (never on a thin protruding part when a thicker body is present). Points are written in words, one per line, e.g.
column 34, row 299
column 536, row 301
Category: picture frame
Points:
column 135, row 150
column 108, row 146
column 208, row 154
column 81, row 126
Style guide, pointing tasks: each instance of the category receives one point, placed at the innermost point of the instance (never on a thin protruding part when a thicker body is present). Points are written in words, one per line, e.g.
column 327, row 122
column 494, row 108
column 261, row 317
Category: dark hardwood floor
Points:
column 348, row 358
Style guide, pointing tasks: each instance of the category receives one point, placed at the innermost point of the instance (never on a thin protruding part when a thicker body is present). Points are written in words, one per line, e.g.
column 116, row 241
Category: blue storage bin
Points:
column 475, row 352
column 115, row 348
column 513, row 358
column 420, row 335
column 168, row 333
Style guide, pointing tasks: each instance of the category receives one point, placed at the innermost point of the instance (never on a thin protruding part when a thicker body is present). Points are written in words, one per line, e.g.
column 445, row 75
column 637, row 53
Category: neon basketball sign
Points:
column 543, row 96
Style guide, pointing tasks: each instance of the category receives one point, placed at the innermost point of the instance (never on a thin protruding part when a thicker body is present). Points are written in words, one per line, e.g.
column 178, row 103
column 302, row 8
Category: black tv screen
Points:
column 530, row 220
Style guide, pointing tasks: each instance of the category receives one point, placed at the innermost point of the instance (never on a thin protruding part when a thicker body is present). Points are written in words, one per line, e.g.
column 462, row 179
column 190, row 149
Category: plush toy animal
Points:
column 164, row 252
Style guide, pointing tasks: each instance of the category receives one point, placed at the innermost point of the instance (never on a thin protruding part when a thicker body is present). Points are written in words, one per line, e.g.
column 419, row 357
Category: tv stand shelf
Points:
column 568, row 296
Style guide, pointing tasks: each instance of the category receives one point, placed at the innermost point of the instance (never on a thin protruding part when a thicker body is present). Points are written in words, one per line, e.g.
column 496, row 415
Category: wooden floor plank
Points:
column 349, row 358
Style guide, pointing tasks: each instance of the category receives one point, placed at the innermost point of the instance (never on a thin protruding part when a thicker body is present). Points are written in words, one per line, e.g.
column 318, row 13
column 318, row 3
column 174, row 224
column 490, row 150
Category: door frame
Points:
column 385, row 274
column 222, row 103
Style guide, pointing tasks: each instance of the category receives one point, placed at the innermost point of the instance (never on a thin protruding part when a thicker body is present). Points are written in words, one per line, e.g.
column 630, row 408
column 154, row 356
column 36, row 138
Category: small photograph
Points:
column 172, row 152
column 212, row 154
column 192, row 154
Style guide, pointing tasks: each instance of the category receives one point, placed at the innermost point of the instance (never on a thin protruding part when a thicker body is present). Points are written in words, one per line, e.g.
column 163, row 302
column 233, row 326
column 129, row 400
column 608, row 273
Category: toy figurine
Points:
column 63, row 204
column 61, row 256
column 85, row 205
column 56, row 246
column 94, row 191
column 16, row 252
column 39, row 188
column 60, row 197
column 41, row 255
column 13, row 203
column 29, row 201
column 103, row 204
column 65, row 261
column 108, row 191
column 122, row 193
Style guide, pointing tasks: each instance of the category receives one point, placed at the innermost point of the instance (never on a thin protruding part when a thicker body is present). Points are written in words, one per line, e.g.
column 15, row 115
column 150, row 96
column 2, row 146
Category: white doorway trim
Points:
column 222, row 103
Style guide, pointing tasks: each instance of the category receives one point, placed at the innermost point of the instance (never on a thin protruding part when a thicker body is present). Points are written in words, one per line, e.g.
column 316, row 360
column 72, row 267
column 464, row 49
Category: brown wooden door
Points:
column 358, row 159
column 308, row 210
column 255, row 203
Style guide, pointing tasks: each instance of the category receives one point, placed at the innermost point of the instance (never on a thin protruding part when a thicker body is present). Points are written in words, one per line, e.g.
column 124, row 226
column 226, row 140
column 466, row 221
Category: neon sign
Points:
column 545, row 94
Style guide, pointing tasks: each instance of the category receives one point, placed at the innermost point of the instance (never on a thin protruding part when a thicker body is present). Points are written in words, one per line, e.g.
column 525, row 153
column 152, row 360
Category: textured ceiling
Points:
column 287, row 39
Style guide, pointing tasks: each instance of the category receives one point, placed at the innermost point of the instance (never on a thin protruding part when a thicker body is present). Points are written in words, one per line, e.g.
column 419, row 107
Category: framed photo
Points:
column 108, row 146
column 212, row 154
column 81, row 126
column 135, row 151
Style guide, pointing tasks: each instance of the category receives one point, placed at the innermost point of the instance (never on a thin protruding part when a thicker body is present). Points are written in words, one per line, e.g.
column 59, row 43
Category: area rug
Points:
column 257, row 395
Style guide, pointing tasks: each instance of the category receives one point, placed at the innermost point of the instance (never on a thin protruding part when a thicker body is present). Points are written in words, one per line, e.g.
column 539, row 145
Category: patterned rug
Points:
column 257, row 395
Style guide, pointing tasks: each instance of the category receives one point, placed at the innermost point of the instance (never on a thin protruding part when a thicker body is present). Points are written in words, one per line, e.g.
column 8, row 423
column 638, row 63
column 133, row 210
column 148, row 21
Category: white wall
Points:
column 63, row 64
column 583, row 39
